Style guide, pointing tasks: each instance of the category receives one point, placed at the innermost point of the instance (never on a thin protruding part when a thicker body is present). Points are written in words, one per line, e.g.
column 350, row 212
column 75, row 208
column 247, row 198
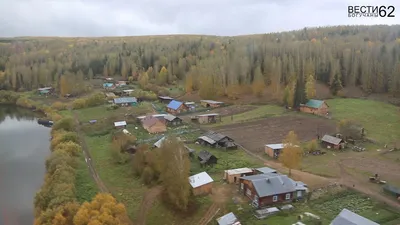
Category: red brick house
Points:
column 271, row 188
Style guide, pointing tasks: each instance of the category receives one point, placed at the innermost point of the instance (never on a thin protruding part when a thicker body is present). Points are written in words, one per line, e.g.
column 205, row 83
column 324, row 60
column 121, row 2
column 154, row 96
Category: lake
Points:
column 24, row 147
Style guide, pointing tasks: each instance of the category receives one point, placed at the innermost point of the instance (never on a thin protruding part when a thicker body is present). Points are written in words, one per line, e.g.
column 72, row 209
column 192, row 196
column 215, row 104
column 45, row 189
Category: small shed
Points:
column 159, row 142
column 126, row 101
column 264, row 170
column 45, row 90
column 228, row 219
column 201, row 183
column 211, row 103
column 329, row 141
column 233, row 175
column 108, row 85
column 313, row 106
column 128, row 92
column 176, row 107
column 165, row 99
column 120, row 124
column 348, row 217
column 206, row 158
column 273, row 150
column 153, row 125
column 208, row 118
column 172, row 120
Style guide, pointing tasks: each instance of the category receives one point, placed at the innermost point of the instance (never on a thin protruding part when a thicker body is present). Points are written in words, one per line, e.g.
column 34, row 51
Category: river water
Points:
column 24, row 146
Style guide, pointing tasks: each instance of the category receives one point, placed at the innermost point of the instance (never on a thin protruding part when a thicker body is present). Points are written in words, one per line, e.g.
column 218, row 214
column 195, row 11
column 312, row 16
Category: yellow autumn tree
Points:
column 310, row 87
column 258, row 82
column 291, row 153
column 143, row 79
column 103, row 209
column 189, row 83
column 162, row 77
column 65, row 85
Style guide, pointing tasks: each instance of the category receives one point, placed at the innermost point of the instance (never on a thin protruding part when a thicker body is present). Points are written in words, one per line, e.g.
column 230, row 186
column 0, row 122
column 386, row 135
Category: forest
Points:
column 287, row 64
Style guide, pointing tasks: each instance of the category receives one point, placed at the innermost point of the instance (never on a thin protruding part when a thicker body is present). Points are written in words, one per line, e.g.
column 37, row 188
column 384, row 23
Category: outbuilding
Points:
column 273, row 150
column 153, row 125
column 201, row 183
column 207, row 118
column 211, row 103
column 233, row 175
column 318, row 107
column 228, row 219
column 172, row 120
column 206, row 158
column 165, row 99
column 120, row 124
column 126, row 101
column 329, row 141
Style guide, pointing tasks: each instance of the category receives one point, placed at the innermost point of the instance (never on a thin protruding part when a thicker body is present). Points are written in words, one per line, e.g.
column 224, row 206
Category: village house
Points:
column 318, row 107
column 121, row 83
column 271, row 188
column 207, row 118
column 201, row 183
column 329, row 141
column 347, row 217
column 108, row 86
column 175, row 107
column 233, row 175
column 158, row 116
column 228, row 219
column 172, row 120
column 191, row 105
column 45, row 91
column 165, row 99
column 153, row 125
column 127, row 92
column 264, row 170
column 273, row 150
column 126, row 101
column 120, row 124
column 206, row 158
column 211, row 103
column 217, row 140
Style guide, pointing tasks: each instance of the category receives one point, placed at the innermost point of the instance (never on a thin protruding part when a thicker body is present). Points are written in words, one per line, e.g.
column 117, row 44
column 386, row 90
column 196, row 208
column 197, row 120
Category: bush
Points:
column 79, row 103
column 66, row 124
column 8, row 97
column 63, row 136
column 59, row 106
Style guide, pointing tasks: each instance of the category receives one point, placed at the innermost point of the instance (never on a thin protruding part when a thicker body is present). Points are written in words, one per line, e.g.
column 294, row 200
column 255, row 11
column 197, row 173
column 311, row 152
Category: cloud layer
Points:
column 151, row 17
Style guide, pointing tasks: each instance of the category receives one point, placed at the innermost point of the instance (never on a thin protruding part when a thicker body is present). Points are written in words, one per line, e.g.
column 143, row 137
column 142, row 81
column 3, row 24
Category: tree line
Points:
column 340, row 56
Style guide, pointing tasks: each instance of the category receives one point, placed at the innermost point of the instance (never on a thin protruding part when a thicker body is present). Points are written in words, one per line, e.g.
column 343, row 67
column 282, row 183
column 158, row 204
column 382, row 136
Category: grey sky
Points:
column 150, row 17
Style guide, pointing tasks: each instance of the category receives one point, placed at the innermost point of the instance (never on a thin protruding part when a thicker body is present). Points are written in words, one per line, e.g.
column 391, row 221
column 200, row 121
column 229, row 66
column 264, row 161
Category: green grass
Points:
column 86, row 187
column 118, row 178
column 260, row 112
column 65, row 113
column 379, row 119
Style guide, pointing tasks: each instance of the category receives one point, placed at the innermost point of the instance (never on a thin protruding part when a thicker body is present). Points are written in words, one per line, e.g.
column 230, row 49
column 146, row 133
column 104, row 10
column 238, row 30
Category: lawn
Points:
column 260, row 112
column 86, row 187
column 118, row 178
column 379, row 119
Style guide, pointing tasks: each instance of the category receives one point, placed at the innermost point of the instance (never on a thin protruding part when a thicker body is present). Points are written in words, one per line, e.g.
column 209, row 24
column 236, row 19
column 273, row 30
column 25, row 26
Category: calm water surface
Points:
column 24, row 146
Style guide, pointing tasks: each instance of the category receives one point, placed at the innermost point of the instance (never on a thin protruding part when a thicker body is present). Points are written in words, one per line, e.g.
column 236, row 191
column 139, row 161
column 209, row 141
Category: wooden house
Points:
column 165, row 99
column 207, row 118
column 153, row 125
column 329, row 141
column 348, row 217
column 267, row 189
column 273, row 150
column 211, row 103
column 172, row 120
column 120, row 124
column 176, row 107
column 216, row 140
column 201, row 183
column 233, row 175
column 206, row 158
column 228, row 219
column 126, row 101
column 318, row 107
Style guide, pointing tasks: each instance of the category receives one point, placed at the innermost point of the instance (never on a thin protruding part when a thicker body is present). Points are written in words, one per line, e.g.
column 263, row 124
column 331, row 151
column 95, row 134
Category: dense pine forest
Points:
column 287, row 64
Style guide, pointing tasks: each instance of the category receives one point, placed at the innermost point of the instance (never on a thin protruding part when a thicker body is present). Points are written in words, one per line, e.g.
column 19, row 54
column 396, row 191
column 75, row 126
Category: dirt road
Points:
column 150, row 196
column 88, row 158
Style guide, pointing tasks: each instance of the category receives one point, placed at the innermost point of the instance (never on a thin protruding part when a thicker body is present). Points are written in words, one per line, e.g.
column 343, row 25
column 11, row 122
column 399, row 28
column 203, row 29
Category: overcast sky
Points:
column 150, row 17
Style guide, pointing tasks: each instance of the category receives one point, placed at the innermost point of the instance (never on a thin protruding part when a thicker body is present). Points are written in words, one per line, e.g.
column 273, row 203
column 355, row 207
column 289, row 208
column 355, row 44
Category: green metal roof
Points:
column 312, row 103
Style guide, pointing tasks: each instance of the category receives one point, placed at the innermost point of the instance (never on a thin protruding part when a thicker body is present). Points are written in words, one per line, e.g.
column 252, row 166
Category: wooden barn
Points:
column 217, row 140
column 329, row 141
column 206, row 158
column 211, row 103
column 318, row 107
column 153, row 125
column 201, row 183
column 273, row 150
column 172, row 120
column 165, row 99
column 233, row 175
column 207, row 118
column 175, row 107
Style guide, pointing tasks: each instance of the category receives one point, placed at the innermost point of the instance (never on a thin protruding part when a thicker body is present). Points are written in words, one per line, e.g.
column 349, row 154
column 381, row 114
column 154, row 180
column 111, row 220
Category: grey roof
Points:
column 275, row 146
column 205, row 155
column 208, row 114
column 347, row 217
column 271, row 184
column 159, row 142
column 215, row 136
column 330, row 139
column 165, row 97
column 190, row 150
column 211, row 101
column 207, row 139
column 228, row 219
column 200, row 179
column 170, row 117
column 266, row 170
column 125, row 100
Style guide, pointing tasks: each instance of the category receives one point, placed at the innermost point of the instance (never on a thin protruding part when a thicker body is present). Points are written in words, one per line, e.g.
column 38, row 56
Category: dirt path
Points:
column 211, row 212
column 150, row 196
column 88, row 158
column 363, row 186
column 220, row 194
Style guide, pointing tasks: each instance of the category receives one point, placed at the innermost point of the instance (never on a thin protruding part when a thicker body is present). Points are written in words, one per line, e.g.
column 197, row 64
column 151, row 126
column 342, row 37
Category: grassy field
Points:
column 379, row 119
column 86, row 188
column 260, row 112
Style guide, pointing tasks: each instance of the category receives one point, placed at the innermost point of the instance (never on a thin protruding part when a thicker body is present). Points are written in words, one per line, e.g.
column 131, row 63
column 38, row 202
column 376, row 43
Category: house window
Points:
column 287, row 196
column 275, row 198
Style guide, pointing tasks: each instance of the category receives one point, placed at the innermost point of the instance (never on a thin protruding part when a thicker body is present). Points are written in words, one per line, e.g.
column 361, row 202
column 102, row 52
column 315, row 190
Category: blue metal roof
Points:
column 108, row 84
column 125, row 100
column 174, row 105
